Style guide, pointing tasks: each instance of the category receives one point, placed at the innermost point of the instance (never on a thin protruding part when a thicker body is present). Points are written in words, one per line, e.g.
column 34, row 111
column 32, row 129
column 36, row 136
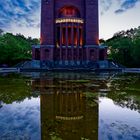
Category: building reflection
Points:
column 65, row 112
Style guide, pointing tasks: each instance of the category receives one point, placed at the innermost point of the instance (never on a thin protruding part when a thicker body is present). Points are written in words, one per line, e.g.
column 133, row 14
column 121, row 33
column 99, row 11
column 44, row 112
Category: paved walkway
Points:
column 8, row 70
column 132, row 70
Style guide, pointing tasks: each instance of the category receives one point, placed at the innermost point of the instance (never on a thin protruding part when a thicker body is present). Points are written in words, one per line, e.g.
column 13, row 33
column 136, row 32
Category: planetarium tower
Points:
column 69, row 35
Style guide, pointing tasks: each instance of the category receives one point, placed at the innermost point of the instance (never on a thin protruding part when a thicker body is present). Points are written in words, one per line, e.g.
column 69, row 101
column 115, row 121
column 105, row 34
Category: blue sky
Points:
column 23, row 16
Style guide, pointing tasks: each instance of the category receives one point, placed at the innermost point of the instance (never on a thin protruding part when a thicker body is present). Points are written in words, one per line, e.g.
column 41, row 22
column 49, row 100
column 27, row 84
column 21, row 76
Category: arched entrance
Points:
column 69, row 27
column 69, row 33
column 37, row 54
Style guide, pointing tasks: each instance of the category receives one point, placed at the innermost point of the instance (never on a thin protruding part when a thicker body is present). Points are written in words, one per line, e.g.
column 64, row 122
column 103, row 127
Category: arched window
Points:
column 101, row 54
column 69, row 11
column 47, row 53
column 37, row 54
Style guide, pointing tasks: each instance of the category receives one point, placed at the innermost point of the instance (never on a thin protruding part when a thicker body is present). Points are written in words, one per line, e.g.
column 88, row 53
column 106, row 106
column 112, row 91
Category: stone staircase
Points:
column 113, row 64
column 25, row 64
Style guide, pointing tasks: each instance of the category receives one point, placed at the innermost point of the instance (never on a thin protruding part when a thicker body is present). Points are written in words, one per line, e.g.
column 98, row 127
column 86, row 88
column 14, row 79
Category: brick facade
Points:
column 69, row 33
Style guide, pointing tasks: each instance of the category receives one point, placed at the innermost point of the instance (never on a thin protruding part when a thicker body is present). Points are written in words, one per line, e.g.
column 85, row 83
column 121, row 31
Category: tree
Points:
column 125, row 47
column 15, row 48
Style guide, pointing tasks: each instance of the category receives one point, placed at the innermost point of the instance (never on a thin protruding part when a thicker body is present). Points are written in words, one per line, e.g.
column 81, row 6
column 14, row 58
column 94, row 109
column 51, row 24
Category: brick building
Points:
column 69, row 35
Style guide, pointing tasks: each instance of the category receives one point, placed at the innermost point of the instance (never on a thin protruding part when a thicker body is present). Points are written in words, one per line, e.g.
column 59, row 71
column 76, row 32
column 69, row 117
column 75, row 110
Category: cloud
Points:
column 119, row 11
column 122, row 5
column 23, row 16
column 20, row 14
column 126, row 5
column 105, row 5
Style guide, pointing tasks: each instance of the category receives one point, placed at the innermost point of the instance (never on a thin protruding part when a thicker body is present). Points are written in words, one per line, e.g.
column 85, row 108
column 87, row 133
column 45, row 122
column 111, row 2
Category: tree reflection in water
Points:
column 125, row 91
column 72, row 104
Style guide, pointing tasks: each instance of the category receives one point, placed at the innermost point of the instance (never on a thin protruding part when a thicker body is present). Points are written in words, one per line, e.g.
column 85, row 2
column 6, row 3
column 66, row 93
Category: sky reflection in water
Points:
column 70, row 106
column 20, row 120
column 117, row 123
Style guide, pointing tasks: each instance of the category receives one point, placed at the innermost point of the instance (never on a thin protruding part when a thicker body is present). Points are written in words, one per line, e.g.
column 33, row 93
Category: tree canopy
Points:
column 124, row 47
column 15, row 48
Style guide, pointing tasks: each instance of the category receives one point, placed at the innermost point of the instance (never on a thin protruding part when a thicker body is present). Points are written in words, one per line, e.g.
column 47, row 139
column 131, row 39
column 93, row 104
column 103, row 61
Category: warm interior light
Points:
column 64, row 20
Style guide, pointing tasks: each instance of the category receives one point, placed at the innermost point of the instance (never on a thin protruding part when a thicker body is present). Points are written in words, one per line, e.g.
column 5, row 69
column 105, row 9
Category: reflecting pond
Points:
column 69, row 106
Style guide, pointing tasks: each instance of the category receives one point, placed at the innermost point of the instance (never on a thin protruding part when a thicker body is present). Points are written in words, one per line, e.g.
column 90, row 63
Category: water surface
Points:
column 69, row 106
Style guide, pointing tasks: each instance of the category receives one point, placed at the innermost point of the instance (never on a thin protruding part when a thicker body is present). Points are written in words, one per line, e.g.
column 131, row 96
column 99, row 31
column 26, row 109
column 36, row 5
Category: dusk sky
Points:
column 23, row 16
